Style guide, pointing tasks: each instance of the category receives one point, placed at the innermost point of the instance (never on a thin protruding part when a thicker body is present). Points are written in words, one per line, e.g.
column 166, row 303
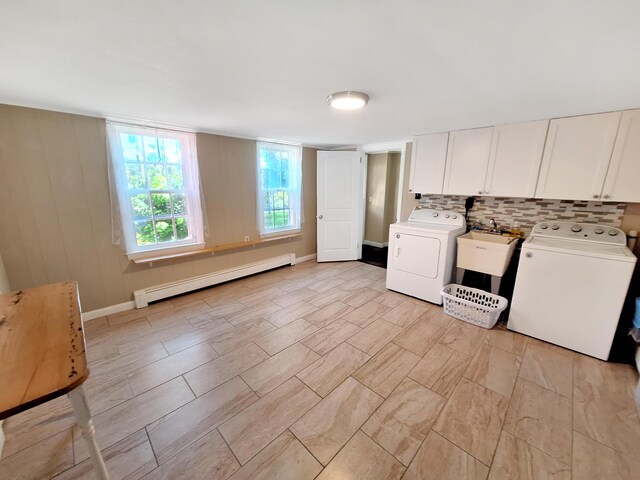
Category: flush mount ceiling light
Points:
column 348, row 100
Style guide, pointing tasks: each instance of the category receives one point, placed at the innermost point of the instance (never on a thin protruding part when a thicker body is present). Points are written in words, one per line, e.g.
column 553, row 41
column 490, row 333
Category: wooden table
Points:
column 42, row 356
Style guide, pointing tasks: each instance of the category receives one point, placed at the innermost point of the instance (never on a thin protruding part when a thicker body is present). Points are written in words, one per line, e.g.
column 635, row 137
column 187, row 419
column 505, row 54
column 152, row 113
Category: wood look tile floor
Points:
column 318, row 371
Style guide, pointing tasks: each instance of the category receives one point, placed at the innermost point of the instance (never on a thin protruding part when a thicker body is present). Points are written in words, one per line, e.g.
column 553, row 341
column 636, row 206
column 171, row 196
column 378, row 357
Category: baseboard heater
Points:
column 151, row 294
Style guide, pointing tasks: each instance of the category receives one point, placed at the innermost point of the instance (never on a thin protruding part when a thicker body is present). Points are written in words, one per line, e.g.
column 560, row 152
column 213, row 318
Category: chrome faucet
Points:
column 494, row 225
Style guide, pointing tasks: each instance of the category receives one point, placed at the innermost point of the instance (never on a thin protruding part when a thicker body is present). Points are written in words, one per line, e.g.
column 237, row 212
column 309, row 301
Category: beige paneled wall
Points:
column 55, row 216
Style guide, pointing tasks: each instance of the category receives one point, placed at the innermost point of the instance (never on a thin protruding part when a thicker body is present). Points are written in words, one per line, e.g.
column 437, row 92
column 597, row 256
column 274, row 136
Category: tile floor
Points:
column 318, row 371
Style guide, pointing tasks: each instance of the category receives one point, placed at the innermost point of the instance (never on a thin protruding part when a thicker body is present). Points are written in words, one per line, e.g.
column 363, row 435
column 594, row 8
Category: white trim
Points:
column 375, row 244
column 158, row 292
column 306, row 258
column 384, row 147
column 101, row 312
column 362, row 214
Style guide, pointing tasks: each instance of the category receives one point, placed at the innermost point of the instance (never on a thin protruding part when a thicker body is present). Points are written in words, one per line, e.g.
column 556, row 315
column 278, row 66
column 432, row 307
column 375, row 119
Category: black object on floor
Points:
column 374, row 255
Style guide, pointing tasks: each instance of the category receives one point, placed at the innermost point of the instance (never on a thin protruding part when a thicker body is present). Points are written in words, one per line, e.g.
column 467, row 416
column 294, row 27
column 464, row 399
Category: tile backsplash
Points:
column 529, row 211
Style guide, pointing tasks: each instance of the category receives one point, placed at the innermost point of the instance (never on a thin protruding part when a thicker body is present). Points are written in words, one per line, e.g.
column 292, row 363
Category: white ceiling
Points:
column 264, row 68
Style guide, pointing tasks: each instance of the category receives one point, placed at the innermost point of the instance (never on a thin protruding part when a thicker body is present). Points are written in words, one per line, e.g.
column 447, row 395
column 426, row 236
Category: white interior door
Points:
column 339, row 179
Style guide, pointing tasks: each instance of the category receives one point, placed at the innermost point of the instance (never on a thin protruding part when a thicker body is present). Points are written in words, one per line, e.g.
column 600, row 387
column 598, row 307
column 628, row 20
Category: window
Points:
column 155, row 175
column 279, row 187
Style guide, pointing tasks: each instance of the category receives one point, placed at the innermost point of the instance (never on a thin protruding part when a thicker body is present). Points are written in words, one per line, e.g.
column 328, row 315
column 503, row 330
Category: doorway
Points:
column 381, row 204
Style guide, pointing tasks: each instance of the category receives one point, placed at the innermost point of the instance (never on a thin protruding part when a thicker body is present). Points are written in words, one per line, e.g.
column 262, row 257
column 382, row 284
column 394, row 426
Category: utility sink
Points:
column 485, row 252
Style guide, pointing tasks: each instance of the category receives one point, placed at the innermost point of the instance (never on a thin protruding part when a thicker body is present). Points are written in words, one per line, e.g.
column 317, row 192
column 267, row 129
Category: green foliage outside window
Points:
column 156, row 185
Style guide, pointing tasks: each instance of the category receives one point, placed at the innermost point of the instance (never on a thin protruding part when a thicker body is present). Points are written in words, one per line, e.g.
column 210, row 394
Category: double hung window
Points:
column 279, row 187
column 156, row 179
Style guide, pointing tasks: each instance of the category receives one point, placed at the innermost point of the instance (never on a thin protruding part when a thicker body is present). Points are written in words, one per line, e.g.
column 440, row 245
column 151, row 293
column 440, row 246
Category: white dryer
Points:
column 571, row 284
column 422, row 253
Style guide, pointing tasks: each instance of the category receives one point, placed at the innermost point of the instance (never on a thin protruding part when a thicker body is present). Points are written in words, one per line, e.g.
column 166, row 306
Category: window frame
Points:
column 294, row 189
column 190, row 189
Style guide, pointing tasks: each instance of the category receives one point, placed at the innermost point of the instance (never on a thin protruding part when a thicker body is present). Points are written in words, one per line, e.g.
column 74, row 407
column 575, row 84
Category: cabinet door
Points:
column 514, row 162
column 427, row 166
column 623, row 177
column 467, row 159
column 576, row 156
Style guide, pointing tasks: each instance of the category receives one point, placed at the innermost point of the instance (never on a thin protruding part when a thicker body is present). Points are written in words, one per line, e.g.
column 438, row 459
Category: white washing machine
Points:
column 422, row 253
column 571, row 284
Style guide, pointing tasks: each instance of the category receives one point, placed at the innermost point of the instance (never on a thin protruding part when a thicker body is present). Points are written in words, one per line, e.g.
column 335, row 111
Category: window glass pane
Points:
column 144, row 233
column 151, row 149
column 181, row 228
column 131, row 147
column 161, row 204
column 174, row 177
column 274, row 169
column 179, row 201
column 169, row 150
column 164, row 230
column 135, row 176
column 268, row 219
column 140, row 206
column 157, row 177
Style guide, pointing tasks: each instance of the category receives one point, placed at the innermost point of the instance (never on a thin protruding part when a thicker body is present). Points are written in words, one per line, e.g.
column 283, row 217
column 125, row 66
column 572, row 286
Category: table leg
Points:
column 1, row 438
column 83, row 417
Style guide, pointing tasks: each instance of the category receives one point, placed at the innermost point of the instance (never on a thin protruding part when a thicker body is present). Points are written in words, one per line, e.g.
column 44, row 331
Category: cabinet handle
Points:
column 596, row 196
column 480, row 192
column 486, row 191
column 606, row 196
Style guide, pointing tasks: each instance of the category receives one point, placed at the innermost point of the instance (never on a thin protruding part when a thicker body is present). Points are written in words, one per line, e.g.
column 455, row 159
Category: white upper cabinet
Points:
column 427, row 166
column 514, row 161
column 467, row 159
column 623, row 177
column 576, row 156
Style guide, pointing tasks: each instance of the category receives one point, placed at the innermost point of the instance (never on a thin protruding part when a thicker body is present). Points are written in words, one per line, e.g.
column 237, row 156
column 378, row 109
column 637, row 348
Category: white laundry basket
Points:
column 473, row 305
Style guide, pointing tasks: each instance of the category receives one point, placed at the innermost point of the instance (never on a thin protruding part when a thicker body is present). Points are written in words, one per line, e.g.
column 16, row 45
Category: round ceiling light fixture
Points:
column 348, row 100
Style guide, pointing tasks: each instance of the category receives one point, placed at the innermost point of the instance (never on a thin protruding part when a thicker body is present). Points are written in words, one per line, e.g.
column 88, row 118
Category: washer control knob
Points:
column 576, row 228
column 435, row 214
column 599, row 231
column 555, row 226
column 544, row 226
column 613, row 232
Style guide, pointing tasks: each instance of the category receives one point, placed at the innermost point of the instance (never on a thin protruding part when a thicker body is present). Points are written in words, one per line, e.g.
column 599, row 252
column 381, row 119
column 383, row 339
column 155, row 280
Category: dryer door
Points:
column 415, row 254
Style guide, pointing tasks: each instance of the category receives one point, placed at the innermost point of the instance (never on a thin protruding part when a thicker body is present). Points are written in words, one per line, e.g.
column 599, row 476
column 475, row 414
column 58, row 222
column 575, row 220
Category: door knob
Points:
column 319, row 217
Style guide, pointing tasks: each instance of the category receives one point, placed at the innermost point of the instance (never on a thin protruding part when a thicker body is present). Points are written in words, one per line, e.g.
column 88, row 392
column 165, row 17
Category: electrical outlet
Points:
column 246, row 238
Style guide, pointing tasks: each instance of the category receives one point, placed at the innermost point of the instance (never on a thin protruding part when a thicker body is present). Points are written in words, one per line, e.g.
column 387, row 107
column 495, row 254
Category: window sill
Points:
column 167, row 252
column 217, row 248
column 281, row 233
